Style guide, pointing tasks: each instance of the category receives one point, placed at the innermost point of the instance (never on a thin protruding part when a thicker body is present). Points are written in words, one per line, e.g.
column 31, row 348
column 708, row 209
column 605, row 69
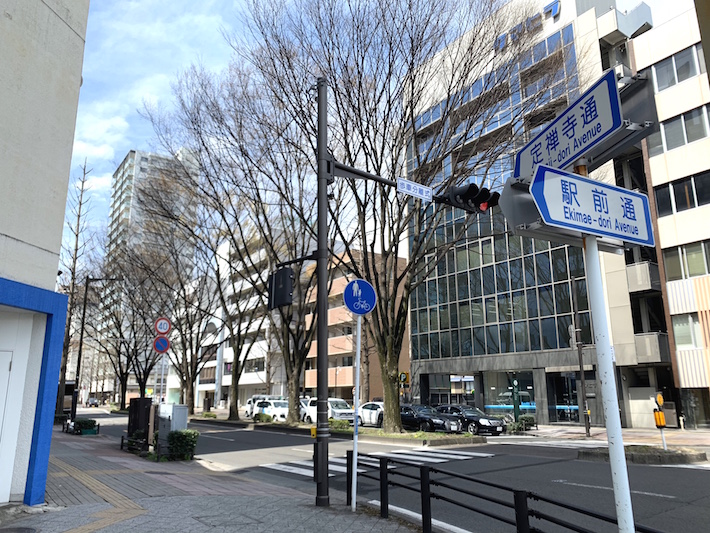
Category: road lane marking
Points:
column 583, row 485
column 292, row 469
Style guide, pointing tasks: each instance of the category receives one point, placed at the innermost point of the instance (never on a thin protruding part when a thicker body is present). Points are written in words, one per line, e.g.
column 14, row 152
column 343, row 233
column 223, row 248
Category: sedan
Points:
column 371, row 414
column 92, row 402
column 473, row 419
column 276, row 409
column 425, row 418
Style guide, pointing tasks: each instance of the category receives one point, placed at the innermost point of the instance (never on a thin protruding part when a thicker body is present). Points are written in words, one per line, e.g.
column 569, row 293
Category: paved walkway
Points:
column 94, row 486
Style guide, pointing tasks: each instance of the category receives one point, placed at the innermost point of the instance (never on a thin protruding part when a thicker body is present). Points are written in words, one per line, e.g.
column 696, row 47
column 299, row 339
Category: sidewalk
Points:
column 94, row 486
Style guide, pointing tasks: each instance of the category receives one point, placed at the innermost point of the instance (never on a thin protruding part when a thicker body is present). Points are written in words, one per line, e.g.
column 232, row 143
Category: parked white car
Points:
column 337, row 409
column 276, row 409
column 371, row 414
column 303, row 409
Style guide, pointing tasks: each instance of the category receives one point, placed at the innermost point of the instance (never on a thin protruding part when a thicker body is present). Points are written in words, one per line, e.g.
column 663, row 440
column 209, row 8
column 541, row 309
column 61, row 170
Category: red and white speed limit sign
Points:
column 162, row 326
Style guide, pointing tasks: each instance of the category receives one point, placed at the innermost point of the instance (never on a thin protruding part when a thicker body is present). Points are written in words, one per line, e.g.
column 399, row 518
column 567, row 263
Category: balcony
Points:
column 336, row 346
column 652, row 347
column 339, row 376
column 643, row 277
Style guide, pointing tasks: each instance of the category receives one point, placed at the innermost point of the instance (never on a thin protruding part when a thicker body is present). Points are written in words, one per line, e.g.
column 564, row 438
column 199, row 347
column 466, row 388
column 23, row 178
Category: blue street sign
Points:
column 360, row 297
column 588, row 121
column 413, row 188
column 570, row 201
column 161, row 344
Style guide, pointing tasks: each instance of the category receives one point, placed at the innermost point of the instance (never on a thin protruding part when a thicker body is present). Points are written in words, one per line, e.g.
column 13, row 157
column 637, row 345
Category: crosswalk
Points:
column 370, row 462
column 563, row 443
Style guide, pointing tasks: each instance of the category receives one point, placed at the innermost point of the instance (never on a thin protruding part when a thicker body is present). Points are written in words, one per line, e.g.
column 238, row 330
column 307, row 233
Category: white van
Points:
column 338, row 409
column 251, row 402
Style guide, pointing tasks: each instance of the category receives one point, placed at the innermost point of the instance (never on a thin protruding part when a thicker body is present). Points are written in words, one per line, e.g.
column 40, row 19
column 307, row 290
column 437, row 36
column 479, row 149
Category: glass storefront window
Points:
column 498, row 389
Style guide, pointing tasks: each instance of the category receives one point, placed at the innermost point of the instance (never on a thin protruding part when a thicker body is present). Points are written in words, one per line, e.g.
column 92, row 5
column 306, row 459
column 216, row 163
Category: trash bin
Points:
column 207, row 405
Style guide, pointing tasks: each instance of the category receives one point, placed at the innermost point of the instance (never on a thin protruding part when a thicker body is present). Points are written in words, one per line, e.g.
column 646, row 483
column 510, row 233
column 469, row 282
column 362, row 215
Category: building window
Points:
column 682, row 194
column 687, row 261
column 679, row 67
column 679, row 131
column 254, row 365
column 347, row 360
column 686, row 330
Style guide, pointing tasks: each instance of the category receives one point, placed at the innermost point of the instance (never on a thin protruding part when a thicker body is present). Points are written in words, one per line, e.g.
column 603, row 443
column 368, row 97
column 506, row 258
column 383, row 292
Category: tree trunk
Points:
column 365, row 389
column 390, row 385
column 124, row 383
column 190, row 397
column 234, row 391
column 294, row 405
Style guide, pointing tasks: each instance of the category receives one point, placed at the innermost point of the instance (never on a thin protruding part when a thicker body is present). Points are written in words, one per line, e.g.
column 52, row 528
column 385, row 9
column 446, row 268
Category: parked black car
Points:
column 425, row 418
column 473, row 419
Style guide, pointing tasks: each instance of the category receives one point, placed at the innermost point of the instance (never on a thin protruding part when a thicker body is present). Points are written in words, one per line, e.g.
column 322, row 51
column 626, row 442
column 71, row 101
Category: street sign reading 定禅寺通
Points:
column 570, row 201
column 414, row 189
column 584, row 124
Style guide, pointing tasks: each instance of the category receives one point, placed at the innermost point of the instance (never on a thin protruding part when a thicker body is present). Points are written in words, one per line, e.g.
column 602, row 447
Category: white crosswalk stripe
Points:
column 365, row 463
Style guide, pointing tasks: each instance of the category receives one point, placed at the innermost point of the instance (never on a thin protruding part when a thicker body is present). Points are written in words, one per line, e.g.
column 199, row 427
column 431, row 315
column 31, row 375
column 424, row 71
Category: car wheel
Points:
column 308, row 419
column 274, row 418
column 379, row 421
column 359, row 421
column 472, row 428
column 423, row 426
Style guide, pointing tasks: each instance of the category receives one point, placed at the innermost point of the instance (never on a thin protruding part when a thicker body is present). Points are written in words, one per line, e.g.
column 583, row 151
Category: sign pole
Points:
column 356, row 405
column 610, row 402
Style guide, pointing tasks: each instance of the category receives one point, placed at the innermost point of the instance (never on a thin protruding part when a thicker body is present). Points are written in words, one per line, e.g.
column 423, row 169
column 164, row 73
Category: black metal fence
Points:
column 526, row 511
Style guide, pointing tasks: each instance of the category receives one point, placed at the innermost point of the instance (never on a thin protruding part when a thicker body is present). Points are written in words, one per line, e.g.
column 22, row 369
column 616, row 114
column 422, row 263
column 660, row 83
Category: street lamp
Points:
column 89, row 280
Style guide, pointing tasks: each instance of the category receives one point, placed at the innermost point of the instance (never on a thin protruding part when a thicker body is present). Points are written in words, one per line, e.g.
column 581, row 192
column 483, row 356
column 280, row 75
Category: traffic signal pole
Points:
column 324, row 172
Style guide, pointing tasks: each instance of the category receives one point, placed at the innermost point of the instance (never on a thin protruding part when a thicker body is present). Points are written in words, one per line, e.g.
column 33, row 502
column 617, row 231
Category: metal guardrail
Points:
column 510, row 506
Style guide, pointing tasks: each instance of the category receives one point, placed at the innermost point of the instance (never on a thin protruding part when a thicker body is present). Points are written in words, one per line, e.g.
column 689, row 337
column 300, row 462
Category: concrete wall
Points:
column 43, row 51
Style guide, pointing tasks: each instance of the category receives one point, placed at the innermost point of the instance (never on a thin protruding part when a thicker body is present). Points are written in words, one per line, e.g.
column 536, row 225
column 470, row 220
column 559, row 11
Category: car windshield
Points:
column 339, row 404
column 473, row 411
column 281, row 404
column 425, row 409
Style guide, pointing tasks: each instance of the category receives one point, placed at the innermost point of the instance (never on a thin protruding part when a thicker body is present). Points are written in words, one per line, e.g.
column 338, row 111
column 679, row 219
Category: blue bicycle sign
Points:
column 359, row 297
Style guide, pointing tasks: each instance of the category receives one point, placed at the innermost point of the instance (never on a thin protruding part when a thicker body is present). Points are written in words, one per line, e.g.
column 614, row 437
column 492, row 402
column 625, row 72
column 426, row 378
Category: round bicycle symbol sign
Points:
column 360, row 297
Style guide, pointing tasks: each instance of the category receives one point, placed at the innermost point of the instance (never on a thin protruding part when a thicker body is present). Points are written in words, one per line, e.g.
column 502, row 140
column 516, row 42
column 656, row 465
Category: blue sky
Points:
column 135, row 50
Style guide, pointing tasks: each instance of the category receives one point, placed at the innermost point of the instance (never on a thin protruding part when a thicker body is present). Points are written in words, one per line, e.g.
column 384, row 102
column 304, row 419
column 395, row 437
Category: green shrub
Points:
column 527, row 421
column 84, row 423
column 262, row 417
column 208, row 415
column 182, row 444
column 138, row 434
column 339, row 425
column 515, row 427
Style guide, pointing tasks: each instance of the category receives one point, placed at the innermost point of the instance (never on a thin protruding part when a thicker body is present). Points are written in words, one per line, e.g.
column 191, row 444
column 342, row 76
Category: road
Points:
column 669, row 499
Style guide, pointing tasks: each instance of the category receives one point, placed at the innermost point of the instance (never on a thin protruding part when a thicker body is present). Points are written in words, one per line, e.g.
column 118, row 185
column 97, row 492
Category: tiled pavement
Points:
column 93, row 486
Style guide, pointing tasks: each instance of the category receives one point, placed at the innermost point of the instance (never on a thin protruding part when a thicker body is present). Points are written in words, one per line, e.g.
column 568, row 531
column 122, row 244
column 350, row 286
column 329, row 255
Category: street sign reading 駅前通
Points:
column 570, row 201
column 590, row 119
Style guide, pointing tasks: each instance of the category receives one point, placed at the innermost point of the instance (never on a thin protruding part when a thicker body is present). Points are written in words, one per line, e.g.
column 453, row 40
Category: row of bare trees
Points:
column 416, row 88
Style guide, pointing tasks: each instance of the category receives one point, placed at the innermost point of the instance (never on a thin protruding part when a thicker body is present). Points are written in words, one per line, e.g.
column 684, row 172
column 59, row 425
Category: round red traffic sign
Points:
column 162, row 326
column 161, row 344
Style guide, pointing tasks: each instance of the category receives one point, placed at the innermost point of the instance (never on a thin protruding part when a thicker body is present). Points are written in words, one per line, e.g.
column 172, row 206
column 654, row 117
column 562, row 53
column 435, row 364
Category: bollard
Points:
column 426, row 498
column 520, row 499
column 349, row 477
column 384, row 494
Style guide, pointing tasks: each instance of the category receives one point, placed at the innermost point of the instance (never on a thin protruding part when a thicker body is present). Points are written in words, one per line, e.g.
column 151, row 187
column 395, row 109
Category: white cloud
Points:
column 99, row 183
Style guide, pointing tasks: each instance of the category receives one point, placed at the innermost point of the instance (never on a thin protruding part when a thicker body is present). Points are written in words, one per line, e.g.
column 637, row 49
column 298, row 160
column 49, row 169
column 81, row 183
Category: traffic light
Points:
column 280, row 288
column 472, row 199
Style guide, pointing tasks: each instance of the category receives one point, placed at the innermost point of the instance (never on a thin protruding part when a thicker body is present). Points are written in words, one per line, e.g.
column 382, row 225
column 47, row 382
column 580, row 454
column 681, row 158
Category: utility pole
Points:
column 580, row 347
column 324, row 172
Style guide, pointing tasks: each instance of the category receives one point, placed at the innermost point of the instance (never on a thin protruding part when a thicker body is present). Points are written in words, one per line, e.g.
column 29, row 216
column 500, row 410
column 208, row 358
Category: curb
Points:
column 649, row 457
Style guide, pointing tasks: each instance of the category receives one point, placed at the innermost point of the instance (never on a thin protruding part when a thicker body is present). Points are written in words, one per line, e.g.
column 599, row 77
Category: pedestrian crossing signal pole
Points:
column 660, row 417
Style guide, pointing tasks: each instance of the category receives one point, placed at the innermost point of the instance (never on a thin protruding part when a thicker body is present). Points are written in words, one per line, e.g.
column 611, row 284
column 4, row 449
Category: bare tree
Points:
column 73, row 265
column 425, row 88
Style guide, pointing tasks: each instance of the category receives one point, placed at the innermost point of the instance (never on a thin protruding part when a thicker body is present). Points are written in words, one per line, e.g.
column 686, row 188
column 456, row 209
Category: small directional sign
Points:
column 414, row 189
column 570, row 201
column 588, row 121
column 161, row 344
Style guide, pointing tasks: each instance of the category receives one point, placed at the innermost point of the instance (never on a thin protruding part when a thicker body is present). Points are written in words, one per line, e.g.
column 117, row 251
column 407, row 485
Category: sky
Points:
column 134, row 52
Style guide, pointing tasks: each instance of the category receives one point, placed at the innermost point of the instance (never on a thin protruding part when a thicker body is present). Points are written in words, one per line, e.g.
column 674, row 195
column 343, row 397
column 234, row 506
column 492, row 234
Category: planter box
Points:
column 89, row 431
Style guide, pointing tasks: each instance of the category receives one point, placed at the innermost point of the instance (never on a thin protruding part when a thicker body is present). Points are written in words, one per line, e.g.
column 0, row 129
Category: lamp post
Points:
column 89, row 281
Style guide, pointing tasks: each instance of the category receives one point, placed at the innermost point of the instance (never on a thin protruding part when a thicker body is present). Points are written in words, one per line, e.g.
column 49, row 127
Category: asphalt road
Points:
column 668, row 499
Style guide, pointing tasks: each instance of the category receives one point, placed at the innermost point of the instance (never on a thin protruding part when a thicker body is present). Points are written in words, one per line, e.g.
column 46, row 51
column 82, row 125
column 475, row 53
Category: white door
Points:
column 5, row 366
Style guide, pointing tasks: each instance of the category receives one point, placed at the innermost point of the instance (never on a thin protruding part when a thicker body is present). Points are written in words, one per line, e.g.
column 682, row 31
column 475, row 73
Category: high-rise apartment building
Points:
column 494, row 316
